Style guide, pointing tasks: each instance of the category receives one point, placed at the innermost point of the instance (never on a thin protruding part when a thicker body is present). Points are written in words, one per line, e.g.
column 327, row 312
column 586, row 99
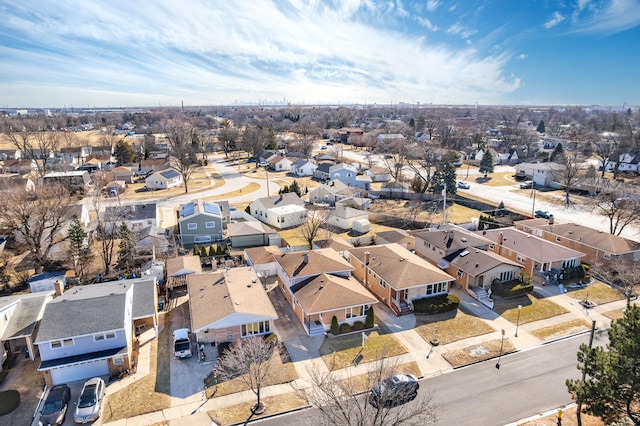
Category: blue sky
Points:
column 149, row 53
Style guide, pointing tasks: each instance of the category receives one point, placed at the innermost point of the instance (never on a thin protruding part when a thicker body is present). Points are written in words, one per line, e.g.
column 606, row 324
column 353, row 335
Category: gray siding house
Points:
column 201, row 222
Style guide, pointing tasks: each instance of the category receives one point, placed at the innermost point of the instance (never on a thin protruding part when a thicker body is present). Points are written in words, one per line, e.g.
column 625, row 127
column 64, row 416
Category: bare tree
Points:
column 106, row 232
column 249, row 361
column 569, row 175
column 311, row 228
column 621, row 275
column 36, row 218
column 183, row 139
column 394, row 156
column 339, row 402
column 256, row 139
column 35, row 140
column 308, row 131
column 620, row 211
column 228, row 135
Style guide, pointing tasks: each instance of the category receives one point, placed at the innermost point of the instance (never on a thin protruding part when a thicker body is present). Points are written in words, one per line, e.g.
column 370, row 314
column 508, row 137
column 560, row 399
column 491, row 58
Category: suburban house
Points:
column 280, row 211
column 533, row 253
column 20, row 315
column 379, row 174
column 348, row 174
column 123, row 173
column 344, row 217
column 332, row 192
column 75, row 180
column 279, row 163
column 476, row 269
column 597, row 246
column 252, row 233
column 321, row 172
column 627, row 162
column 398, row 236
column 135, row 216
column 229, row 305
column 436, row 245
column 147, row 167
column 302, row 167
column 179, row 267
column 200, row 222
column 89, row 331
column 303, row 277
column 394, row 189
column 46, row 281
column 397, row 276
column 164, row 179
column 263, row 260
column 152, row 240
column 318, row 299
column 542, row 174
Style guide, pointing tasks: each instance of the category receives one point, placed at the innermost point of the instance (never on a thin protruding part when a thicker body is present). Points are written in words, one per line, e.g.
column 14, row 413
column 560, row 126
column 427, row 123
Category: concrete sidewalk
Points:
column 304, row 352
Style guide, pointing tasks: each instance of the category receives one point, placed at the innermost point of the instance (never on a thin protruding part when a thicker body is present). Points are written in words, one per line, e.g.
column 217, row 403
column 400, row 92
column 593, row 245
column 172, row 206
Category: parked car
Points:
column 251, row 160
column 55, row 406
column 394, row 391
column 527, row 184
column 263, row 164
column 181, row 343
column 543, row 214
column 463, row 185
column 90, row 401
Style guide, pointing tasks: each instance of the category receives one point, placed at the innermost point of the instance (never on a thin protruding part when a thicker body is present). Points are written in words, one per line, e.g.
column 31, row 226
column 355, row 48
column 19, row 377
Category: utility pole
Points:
column 584, row 371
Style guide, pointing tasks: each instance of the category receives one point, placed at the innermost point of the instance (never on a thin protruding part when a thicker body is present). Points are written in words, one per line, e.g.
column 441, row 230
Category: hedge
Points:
column 358, row 325
column 345, row 328
column 436, row 304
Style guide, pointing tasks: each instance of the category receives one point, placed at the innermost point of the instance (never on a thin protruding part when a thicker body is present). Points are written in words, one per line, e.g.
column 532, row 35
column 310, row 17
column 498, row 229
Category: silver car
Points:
column 90, row 401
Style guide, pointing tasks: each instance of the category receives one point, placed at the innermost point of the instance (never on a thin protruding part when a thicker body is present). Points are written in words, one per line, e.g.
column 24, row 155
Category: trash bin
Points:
column 161, row 305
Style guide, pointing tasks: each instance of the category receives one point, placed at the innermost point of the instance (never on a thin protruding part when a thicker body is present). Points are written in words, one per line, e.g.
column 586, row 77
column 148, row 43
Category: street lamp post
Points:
column 501, row 347
column 518, row 322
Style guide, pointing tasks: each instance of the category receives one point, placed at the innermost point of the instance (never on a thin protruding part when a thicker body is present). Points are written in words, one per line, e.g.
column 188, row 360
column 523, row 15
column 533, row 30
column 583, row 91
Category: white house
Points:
column 280, row 211
column 344, row 217
column 302, row 167
column 279, row 163
column 165, row 179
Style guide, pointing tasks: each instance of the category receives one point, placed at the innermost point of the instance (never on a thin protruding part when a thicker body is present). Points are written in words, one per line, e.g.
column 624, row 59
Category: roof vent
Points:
column 463, row 239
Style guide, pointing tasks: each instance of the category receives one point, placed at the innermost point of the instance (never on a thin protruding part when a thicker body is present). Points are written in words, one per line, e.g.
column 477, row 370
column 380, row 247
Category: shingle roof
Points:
column 344, row 212
column 132, row 212
column 261, row 255
column 215, row 296
column 26, row 314
column 248, row 228
column 281, row 200
column 85, row 310
column 318, row 261
column 531, row 246
column 476, row 262
column 144, row 301
column 183, row 265
column 399, row 267
column 328, row 292
column 394, row 236
column 453, row 239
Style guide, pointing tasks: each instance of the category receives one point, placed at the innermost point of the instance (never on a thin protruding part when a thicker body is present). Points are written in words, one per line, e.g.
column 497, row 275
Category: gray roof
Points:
column 132, row 212
column 26, row 314
column 85, row 310
column 144, row 300
column 289, row 198
column 169, row 174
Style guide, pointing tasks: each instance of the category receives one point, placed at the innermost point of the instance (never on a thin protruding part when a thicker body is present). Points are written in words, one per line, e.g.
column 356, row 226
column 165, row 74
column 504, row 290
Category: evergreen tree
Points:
column 335, row 328
column 449, row 177
column 79, row 251
column 196, row 250
column 558, row 153
column 123, row 152
column 128, row 251
column 486, row 164
column 540, row 128
column 611, row 390
column 294, row 187
column 369, row 322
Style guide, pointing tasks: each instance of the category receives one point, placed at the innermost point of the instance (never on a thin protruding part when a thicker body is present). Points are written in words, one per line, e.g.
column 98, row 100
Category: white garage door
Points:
column 79, row 371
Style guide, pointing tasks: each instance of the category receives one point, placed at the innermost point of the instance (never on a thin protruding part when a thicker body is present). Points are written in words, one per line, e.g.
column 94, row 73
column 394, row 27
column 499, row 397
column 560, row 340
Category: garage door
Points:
column 79, row 371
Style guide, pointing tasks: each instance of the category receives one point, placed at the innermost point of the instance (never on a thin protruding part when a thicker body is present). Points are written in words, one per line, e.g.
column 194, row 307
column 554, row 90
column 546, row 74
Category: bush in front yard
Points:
column 436, row 304
column 358, row 325
column 370, row 321
column 345, row 328
column 223, row 348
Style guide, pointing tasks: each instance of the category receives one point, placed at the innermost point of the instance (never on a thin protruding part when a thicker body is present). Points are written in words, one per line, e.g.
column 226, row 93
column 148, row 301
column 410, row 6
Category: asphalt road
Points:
column 527, row 383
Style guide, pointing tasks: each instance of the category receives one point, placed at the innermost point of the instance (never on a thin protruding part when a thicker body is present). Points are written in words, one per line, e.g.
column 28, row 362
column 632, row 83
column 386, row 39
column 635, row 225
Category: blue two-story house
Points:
column 89, row 330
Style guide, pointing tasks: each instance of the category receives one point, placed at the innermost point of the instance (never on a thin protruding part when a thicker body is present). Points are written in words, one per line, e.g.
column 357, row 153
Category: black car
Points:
column 394, row 391
column 55, row 406
column 542, row 214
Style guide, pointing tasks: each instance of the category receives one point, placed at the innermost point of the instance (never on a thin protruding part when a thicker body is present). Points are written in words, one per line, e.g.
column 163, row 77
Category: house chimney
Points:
column 305, row 258
column 366, row 272
column 500, row 238
column 58, row 286
column 366, row 257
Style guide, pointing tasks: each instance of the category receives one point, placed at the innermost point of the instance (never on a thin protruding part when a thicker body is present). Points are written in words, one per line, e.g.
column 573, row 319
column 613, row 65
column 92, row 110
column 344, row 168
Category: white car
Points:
column 90, row 401
column 181, row 343
column 263, row 164
column 463, row 185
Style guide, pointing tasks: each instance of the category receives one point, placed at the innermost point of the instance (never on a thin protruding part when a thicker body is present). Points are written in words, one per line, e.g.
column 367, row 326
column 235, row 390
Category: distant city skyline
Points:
column 164, row 53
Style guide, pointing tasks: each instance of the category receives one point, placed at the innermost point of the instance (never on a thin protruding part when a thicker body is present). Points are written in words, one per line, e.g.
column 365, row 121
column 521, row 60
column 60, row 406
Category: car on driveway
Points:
column 55, row 406
column 542, row 214
column 181, row 343
column 527, row 184
column 394, row 391
column 463, row 185
column 90, row 401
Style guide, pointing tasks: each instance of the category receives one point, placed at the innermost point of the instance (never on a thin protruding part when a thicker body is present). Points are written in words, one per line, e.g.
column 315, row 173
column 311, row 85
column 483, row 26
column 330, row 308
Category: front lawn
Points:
column 478, row 352
column 452, row 326
column 363, row 382
column 237, row 414
column 563, row 329
column 340, row 352
column 533, row 309
column 597, row 292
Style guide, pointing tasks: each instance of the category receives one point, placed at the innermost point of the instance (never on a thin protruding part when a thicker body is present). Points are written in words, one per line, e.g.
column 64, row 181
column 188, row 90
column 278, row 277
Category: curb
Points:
column 271, row 416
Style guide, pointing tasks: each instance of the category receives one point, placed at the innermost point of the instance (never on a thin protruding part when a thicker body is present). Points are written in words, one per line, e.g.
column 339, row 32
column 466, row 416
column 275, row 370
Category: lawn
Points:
column 247, row 189
column 496, row 179
column 615, row 314
column 141, row 396
column 340, row 352
column 569, row 418
column 275, row 404
column 533, row 309
column 479, row 352
column 562, row 329
column 456, row 213
column 452, row 326
column 281, row 373
column 597, row 292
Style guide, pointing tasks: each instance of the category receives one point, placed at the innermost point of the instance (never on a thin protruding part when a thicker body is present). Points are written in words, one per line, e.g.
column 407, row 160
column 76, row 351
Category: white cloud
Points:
column 554, row 20
column 312, row 53
column 522, row 56
column 613, row 17
column 432, row 5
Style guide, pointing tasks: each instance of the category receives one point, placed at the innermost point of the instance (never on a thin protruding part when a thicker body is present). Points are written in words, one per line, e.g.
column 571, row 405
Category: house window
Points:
column 607, row 255
column 492, row 246
column 210, row 225
column 67, row 342
column 102, row 336
column 118, row 360
column 192, row 226
column 520, row 258
column 558, row 239
column 460, row 273
column 382, row 283
column 56, row 344
column 254, row 328
column 202, row 239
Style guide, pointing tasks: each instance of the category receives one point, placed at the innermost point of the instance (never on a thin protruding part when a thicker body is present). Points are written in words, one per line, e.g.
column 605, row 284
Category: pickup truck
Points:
column 181, row 343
